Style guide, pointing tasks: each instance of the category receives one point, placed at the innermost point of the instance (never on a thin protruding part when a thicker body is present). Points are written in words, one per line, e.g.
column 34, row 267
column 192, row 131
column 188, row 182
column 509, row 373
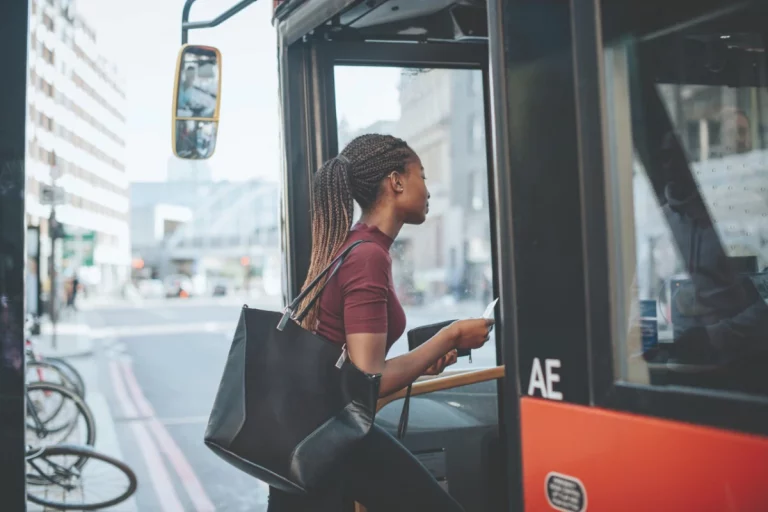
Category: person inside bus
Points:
column 719, row 313
column 193, row 100
column 359, row 307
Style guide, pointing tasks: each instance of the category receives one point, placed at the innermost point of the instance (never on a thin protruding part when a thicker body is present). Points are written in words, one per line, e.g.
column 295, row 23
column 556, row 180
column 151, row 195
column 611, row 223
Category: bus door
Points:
column 434, row 96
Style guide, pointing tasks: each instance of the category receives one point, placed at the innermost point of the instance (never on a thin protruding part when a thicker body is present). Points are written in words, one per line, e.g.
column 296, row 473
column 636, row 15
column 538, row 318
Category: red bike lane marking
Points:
column 168, row 446
column 158, row 474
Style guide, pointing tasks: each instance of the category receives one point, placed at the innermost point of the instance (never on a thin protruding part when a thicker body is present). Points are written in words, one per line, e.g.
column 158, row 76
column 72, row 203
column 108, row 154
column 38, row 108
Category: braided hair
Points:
column 355, row 175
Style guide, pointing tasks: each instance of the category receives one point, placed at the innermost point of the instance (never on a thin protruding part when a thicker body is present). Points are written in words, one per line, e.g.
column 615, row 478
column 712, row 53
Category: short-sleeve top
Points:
column 361, row 297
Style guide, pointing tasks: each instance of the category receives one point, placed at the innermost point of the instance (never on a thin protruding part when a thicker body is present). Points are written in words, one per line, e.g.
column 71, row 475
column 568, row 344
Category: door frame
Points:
column 310, row 138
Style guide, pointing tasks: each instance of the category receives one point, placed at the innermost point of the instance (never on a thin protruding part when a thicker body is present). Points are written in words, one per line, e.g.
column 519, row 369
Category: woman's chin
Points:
column 416, row 220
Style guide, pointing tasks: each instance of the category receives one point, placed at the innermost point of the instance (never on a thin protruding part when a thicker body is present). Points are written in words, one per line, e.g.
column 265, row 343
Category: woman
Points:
column 359, row 307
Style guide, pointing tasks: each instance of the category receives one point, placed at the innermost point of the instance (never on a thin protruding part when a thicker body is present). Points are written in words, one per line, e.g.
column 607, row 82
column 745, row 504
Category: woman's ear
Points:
column 396, row 182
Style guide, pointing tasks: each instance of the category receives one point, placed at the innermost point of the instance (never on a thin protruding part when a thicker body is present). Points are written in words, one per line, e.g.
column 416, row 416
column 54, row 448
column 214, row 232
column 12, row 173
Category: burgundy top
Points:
column 361, row 298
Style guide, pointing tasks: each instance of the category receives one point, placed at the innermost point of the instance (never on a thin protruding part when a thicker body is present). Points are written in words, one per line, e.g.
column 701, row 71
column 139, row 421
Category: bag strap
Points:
column 402, row 427
column 288, row 312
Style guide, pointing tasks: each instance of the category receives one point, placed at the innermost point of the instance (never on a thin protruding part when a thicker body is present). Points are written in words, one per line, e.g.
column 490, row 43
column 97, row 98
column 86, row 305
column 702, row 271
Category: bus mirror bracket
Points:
column 187, row 25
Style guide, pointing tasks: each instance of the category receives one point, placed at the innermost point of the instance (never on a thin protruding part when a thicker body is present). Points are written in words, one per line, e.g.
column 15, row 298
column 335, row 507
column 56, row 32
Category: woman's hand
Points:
column 471, row 334
column 442, row 363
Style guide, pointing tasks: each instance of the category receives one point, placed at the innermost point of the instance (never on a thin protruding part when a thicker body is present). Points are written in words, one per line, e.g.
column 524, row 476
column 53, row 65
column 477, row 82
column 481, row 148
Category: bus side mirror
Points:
column 196, row 101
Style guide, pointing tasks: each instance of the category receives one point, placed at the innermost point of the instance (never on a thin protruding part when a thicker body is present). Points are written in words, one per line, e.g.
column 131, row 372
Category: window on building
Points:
column 478, row 191
column 471, row 133
column 48, row 55
column 714, row 133
column 693, row 130
column 48, row 23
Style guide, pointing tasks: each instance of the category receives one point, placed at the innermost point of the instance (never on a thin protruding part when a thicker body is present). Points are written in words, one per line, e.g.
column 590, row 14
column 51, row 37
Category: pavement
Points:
column 74, row 343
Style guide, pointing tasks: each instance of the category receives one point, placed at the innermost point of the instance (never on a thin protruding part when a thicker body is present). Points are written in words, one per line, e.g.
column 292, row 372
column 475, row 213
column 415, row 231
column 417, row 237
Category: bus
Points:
column 605, row 164
column 600, row 166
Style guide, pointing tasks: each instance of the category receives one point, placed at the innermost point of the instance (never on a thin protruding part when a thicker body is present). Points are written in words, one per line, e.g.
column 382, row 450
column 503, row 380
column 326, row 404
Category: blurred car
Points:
column 178, row 285
column 220, row 290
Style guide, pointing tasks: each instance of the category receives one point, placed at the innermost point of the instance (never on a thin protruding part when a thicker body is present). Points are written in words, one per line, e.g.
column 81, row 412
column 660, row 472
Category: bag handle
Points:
column 288, row 312
column 402, row 427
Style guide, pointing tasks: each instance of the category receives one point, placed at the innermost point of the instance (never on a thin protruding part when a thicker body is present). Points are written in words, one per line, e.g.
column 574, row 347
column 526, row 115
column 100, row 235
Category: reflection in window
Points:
column 689, row 193
column 442, row 269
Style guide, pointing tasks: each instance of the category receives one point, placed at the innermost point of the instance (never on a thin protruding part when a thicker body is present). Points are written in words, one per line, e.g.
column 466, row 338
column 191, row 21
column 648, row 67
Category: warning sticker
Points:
column 565, row 493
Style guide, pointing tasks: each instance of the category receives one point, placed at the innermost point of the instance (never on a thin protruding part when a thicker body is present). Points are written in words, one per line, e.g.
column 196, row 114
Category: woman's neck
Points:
column 386, row 222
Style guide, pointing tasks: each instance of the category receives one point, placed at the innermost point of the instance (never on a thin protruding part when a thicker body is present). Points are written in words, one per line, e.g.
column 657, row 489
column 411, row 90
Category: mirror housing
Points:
column 196, row 102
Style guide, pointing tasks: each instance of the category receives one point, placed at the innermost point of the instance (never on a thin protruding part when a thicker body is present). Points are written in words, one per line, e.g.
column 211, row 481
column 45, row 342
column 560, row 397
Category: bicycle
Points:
column 63, row 486
column 42, row 424
column 66, row 373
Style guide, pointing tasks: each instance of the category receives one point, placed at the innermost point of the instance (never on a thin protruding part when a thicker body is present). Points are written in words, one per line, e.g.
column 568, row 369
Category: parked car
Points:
column 220, row 290
column 178, row 285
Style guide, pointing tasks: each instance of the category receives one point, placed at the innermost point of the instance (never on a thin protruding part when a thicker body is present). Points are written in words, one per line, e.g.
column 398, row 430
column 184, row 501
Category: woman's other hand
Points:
column 442, row 363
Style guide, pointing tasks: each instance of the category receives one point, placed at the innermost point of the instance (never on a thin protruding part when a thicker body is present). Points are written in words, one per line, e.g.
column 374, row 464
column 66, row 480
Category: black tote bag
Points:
column 290, row 404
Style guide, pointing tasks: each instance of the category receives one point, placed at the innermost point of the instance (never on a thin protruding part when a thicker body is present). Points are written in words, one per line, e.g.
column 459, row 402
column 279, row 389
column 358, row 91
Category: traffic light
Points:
column 56, row 228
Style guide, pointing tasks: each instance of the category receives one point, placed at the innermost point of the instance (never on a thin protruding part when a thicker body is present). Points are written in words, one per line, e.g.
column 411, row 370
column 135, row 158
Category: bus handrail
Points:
column 187, row 25
column 448, row 382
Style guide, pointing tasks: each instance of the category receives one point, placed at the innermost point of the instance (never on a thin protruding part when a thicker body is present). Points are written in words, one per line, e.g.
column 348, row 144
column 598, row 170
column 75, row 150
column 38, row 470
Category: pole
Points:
column 52, row 233
column 53, row 228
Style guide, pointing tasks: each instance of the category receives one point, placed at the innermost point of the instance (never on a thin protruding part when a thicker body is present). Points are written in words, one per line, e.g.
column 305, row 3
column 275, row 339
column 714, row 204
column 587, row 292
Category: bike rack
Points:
column 187, row 25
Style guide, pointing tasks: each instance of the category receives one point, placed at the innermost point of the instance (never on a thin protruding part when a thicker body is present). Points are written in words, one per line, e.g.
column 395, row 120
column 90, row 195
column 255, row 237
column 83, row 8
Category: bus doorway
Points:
column 436, row 97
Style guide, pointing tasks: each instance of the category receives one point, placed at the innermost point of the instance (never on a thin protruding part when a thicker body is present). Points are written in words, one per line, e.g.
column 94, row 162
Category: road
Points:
column 159, row 366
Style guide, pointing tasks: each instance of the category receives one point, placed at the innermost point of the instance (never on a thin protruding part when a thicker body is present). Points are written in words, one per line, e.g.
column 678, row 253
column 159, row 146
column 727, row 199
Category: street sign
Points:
column 79, row 248
column 50, row 195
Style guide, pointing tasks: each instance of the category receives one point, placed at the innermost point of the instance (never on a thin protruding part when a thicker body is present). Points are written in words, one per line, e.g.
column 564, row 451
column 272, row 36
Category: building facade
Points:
column 215, row 232
column 442, row 118
column 76, row 142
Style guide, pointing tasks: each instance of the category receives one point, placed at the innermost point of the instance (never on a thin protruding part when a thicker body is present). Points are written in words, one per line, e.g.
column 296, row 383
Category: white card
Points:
column 489, row 310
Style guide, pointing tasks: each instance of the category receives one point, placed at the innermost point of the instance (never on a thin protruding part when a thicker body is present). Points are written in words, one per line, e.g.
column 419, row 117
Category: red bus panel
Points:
column 634, row 463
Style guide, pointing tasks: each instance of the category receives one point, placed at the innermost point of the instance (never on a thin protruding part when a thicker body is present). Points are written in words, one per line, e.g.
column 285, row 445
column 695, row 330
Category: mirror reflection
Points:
column 198, row 83
column 195, row 139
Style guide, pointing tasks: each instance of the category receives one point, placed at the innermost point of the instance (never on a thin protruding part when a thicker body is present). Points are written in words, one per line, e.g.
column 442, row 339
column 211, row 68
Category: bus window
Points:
column 442, row 269
column 688, row 183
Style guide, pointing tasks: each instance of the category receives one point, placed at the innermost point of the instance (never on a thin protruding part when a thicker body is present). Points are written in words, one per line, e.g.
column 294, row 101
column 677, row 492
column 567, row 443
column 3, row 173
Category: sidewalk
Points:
column 73, row 339
column 75, row 343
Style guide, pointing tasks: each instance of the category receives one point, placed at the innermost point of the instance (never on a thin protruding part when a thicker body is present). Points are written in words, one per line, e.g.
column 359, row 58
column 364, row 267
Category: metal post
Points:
column 52, row 223
column 53, row 228
column 14, row 20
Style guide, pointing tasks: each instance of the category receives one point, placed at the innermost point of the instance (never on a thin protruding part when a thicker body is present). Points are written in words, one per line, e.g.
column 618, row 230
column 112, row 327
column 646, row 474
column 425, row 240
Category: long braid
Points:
column 355, row 175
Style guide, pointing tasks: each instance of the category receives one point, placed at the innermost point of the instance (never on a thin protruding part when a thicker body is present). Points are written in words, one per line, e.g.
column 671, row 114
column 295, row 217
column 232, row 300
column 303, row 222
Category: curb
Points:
column 81, row 346
column 85, row 350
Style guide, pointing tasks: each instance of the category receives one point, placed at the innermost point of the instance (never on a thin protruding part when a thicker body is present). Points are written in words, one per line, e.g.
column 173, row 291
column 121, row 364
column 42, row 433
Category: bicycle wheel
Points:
column 52, row 373
column 52, row 482
column 70, row 371
column 57, row 415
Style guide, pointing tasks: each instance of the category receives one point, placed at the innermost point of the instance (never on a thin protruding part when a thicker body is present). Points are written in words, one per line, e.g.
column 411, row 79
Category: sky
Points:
column 143, row 38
